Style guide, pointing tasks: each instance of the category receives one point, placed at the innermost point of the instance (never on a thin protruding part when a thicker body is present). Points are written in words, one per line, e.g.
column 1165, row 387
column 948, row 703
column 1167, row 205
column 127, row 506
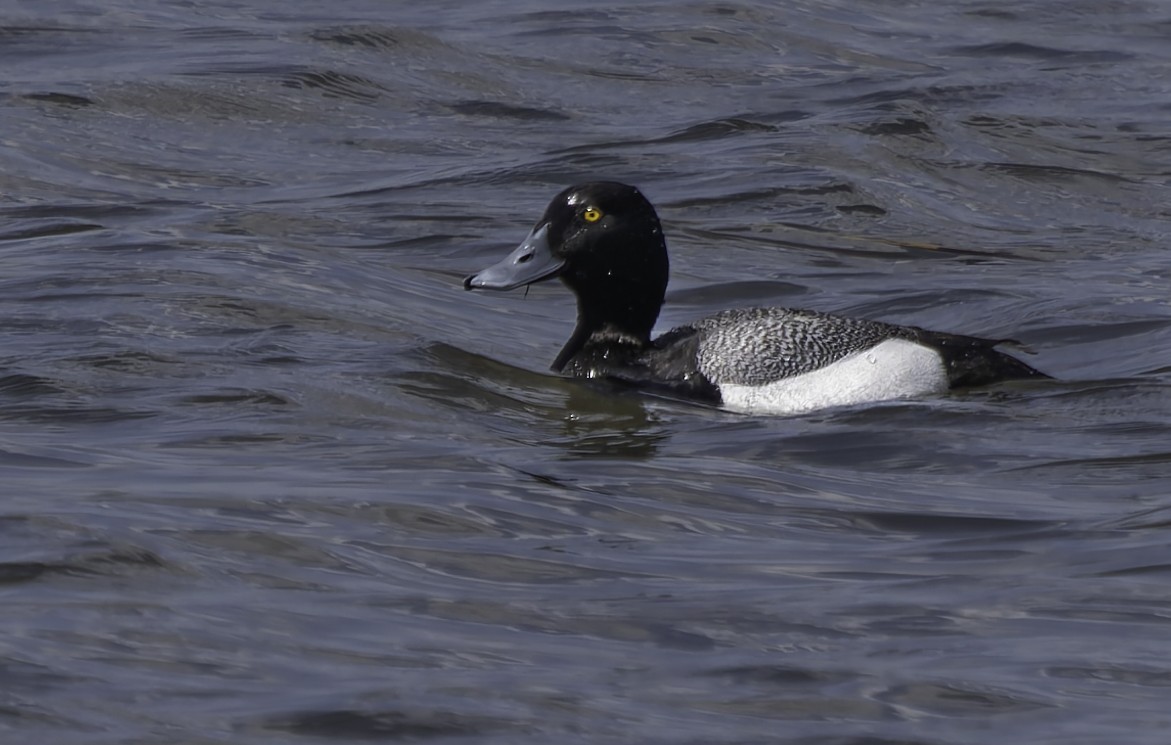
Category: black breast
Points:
column 668, row 364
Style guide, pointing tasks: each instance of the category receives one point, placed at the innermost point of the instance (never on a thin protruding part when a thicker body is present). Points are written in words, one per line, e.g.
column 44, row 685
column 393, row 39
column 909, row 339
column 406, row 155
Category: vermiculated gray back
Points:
column 754, row 346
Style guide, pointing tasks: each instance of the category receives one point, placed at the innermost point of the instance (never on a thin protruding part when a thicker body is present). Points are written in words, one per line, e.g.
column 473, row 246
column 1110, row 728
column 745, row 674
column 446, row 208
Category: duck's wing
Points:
column 757, row 346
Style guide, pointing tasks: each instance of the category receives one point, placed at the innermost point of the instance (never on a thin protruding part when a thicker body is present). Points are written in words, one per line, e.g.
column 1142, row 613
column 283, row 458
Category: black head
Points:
column 589, row 233
column 603, row 239
column 609, row 236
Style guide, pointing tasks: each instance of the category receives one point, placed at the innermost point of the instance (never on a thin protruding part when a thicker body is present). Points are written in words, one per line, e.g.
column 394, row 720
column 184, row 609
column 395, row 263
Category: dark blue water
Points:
column 268, row 475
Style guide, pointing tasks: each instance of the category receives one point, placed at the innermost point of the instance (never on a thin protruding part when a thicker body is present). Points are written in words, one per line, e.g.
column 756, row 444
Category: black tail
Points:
column 973, row 361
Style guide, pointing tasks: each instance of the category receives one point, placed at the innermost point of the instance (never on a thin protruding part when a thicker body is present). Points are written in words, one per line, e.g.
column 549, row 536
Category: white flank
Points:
column 896, row 368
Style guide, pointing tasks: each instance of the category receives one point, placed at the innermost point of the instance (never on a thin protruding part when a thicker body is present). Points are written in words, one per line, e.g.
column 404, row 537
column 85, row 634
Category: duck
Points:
column 604, row 241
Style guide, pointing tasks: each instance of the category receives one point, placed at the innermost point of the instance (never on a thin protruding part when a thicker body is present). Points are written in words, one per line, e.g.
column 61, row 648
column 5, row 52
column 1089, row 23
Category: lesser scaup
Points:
column 604, row 241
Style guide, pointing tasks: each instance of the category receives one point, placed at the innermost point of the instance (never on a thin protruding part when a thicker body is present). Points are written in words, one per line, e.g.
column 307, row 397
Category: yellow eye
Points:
column 593, row 214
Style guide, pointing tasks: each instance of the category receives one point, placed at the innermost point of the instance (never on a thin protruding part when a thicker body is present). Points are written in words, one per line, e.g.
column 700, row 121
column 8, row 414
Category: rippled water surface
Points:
column 269, row 475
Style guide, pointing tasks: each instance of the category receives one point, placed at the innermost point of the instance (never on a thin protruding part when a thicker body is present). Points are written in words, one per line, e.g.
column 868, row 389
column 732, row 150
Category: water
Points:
column 269, row 475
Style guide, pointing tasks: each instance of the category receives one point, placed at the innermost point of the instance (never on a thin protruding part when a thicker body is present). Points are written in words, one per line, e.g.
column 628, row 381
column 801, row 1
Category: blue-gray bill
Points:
column 532, row 261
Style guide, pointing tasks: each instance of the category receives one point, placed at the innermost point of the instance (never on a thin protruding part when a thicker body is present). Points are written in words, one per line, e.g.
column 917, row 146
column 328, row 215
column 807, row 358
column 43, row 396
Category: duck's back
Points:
column 756, row 346
column 781, row 360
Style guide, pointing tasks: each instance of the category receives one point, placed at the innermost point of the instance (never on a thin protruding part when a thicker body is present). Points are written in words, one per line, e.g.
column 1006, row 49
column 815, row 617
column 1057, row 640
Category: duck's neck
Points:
column 611, row 312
